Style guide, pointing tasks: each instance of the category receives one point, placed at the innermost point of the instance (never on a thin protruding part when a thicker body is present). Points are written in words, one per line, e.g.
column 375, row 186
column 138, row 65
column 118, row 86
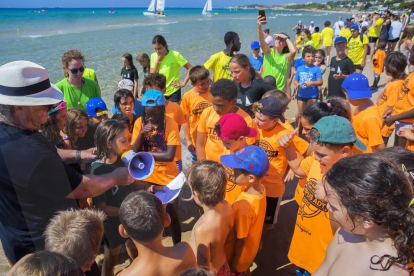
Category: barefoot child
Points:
column 378, row 64
column 193, row 104
column 207, row 180
column 112, row 139
column 372, row 200
column 250, row 164
column 143, row 219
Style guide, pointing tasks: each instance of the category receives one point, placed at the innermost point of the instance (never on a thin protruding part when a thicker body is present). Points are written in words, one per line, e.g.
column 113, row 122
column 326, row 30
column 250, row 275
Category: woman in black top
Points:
column 130, row 72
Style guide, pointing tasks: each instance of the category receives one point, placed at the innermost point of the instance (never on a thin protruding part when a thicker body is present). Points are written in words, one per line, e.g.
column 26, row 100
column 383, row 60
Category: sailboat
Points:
column 156, row 8
column 207, row 8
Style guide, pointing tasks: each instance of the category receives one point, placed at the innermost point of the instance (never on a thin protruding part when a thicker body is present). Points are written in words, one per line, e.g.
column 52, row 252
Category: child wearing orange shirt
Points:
column 193, row 104
column 395, row 64
column 250, row 164
column 224, row 98
column 367, row 121
column 232, row 130
column 158, row 135
column 207, row 180
column 334, row 138
column 378, row 64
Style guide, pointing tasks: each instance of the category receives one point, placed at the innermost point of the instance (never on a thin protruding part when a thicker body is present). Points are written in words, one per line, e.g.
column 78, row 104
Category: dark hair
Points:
column 159, row 39
column 270, row 80
column 266, row 31
column 333, row 106
column 122, row 94
column 209, row 179
column 400, row 157
column 308, row 49
column 316, row 29
column 47, row 263
column 327, row 23
column 314, row 135
column 229, row 37
column 373, row 188
column 160, row 131
column 286, row 48
column 224, row 88
column 196, row 272
column 395, row 64
column 107, row 131
column 50, row 130
column 381, row 45
column 322, row 53
column 123, row 118
column 128, row 57
column 280, row 95
column 155, row 79
column 198, row 72
column 142, row 215
column 74, row 116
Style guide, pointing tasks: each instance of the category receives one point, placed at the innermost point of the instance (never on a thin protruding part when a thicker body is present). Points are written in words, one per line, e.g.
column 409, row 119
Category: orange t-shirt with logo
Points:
column 214, row 147
column 173, row 110
column 249, row 213
column 389, row 98
column 269, row 141
column 313, row 231
column 302, row 181
column 164, row 172
column 405, row 98
column 192, row 105
column 367, row 125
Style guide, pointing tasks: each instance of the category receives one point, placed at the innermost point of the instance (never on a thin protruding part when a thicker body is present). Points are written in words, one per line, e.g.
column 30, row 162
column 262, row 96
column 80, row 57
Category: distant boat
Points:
column 112, row 11
column 156, row 8
column 208, row 8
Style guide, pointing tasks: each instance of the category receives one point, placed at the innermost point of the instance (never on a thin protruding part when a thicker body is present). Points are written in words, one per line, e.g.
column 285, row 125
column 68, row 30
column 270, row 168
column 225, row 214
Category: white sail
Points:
column 207, row 7
column 151, row 6
column 160, row 5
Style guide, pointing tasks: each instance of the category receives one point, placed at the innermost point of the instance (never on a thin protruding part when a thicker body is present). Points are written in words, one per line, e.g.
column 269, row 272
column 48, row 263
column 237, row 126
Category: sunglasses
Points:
column 60, row 106
column 74, row 71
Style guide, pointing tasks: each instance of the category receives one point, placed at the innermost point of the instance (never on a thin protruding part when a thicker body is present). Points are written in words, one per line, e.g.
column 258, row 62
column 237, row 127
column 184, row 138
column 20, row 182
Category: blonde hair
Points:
column 76, row 234
column 67, row 57
column 408, row 33
column 257, row 107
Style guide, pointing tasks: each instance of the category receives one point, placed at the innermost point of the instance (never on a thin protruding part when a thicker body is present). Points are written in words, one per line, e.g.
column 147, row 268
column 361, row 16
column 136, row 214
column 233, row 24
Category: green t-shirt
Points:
column 89, row 74
column 219, row 63
column 76, row 97
column 276, row 65
column 170, row 68
column 356, row 49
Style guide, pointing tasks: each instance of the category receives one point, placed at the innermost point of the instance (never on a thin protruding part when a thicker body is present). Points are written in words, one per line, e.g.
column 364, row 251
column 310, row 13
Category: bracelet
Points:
column 78, row 157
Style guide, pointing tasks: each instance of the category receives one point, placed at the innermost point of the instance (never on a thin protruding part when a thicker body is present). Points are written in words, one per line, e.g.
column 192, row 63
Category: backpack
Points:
column 361, row 37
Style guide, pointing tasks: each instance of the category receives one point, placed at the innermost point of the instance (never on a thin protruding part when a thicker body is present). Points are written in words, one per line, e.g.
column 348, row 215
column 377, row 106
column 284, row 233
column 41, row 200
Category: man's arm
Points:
column 69, row 156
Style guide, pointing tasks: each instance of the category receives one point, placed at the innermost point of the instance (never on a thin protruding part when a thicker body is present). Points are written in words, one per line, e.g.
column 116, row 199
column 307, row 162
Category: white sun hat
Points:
column 27, row 84
column 126, row 84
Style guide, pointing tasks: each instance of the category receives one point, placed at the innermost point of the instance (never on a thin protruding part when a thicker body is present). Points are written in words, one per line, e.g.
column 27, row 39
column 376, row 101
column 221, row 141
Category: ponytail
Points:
column 333, row 106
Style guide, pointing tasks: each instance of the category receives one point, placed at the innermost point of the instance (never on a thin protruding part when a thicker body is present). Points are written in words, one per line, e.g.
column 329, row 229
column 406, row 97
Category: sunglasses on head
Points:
column 74, row 71
column 60, row 106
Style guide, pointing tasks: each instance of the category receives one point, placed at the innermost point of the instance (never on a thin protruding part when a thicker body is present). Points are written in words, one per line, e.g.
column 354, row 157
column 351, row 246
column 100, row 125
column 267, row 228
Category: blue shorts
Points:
column 302, row 272
column 303, row 99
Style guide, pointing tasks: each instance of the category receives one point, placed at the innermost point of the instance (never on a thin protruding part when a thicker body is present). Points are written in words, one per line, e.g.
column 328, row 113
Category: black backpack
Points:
column 361, row 37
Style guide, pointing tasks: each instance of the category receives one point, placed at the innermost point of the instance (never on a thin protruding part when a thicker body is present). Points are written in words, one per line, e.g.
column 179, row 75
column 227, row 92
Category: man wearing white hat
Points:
column 312, row 27
column 34, row 181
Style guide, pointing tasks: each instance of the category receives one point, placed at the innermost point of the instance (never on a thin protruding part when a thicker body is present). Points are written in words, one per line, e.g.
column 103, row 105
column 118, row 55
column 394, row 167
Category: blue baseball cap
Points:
column 93, row 104
column 251, row 158
column 340, row 39
column 357, row 86
column 153, row 98
column 346, row 22
column 255, row 45
column 354, row 27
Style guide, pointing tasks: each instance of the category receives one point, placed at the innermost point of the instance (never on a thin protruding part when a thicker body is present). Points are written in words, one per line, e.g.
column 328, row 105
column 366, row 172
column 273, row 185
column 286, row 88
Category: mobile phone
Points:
column 262, row 13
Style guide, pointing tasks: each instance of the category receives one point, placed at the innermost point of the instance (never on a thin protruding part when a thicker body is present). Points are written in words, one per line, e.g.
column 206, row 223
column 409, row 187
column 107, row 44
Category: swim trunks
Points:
column 224, row 270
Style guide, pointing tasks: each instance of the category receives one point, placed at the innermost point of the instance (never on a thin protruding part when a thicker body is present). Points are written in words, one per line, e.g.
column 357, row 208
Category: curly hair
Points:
column 67, row 57
column 370, row 186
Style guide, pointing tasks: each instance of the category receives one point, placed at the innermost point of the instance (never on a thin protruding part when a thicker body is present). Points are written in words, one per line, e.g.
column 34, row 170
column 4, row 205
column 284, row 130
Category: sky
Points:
column 135, row 4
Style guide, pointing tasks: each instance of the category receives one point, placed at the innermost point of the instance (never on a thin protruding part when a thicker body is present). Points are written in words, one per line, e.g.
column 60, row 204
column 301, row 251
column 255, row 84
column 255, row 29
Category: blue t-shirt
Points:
column 304, row 74
column 137, row 109
column 256, row 63
column 299, row 62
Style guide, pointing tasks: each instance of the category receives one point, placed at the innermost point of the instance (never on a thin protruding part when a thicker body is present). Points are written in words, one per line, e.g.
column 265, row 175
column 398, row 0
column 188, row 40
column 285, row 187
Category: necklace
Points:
column 73, row 92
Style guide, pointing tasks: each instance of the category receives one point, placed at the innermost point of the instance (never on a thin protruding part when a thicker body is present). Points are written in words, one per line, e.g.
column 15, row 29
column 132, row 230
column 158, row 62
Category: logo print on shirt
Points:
column 311, row 206
column 231, row 183
column 404, row 91
column 271, row 153
column 200, row 107
column 115, row 189
column 226, row 69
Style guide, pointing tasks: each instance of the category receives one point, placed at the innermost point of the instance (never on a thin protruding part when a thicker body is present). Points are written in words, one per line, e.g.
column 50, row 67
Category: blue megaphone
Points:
column 140, row 164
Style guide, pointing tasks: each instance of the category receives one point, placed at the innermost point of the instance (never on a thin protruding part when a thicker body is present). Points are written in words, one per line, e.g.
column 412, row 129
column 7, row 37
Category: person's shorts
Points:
column 174, row 97
column 303, row 99
column 376, row 75
column 272, row 209
column 394, row 40
column 373, row 39
column 358, row 67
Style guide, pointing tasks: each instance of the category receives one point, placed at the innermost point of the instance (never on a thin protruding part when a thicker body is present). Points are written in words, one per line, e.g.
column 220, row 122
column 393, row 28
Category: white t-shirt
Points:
column 337, row 27
column 312, row 29
column 395, row 30
column 269, row 41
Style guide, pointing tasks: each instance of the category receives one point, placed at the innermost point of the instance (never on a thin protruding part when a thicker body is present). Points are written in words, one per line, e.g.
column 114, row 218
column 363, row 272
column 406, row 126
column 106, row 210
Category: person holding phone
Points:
column 276, row 60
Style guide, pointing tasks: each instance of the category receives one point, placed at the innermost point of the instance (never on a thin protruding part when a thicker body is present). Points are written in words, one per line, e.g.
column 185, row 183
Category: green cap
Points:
column 337, row 130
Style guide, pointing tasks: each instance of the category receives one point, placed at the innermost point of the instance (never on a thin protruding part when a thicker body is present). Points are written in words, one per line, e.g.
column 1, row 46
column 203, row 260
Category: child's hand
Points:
column 289, row 176
column 286, row 139
column 389, row 120
column 339, row 76
column 147, row 128
column 320, row 191
column 153, row 189
column 191, row 148
column 407, row 133
column 308, row 83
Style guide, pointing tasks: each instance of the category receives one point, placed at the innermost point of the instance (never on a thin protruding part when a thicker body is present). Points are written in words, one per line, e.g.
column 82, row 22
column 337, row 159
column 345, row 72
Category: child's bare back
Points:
column 209, row 236
column 348, row 254
column 162, row 261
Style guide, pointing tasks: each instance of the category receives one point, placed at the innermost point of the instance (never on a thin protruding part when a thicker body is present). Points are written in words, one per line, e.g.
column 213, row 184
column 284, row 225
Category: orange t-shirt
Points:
column 173, row 110
column 192, row 105
column 389, row 98
column 249, row 213
column 313, row 231
column 405, row 98
column 214, row 147
column 269, row 141
column 302, row 181
column 367, row 125
column 379, row 57
column 410, row 144
column 164, row 172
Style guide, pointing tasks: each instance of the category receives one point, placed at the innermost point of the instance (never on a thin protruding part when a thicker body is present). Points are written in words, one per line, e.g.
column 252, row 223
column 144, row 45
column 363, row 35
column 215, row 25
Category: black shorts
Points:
column 302, row 99
column 272, row 209
column 174, row 97
column 358, row 67
column 373, row 39
column 394, row 40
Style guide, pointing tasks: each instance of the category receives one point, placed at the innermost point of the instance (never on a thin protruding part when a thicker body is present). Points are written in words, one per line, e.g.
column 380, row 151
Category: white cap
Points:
column 311, row 22
column 300, row 21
